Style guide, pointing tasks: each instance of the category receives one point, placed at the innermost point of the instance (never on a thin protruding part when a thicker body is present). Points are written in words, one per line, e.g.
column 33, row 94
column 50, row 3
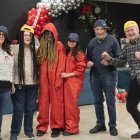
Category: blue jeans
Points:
column 4, row 96
column 24, row 103
column 104, row 83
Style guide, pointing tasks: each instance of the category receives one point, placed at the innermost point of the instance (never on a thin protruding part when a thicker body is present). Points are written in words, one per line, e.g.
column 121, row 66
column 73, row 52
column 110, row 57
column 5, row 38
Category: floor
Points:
column 126, row 126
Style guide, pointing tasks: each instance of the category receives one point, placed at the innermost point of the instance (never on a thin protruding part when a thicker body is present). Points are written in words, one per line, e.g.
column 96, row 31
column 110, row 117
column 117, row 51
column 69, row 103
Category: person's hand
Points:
column 104, row 62
column 137, row 55
column 89, row 64
column 105, row 56
column 13, row 89
column 64, row 75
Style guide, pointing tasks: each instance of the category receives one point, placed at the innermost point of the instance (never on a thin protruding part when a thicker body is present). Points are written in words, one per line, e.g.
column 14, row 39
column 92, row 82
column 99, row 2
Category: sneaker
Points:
column 40, row 133
column 30, row 136
column 97, row 129
column 113, row 131
column 13, row 137
column 137, row 135
column 55, row 132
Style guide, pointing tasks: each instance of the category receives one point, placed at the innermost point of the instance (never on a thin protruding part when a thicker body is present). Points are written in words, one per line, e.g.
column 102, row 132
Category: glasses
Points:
column 2, row 34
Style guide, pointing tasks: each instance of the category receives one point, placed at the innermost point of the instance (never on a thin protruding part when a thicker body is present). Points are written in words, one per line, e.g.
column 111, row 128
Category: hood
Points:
column 51, row 27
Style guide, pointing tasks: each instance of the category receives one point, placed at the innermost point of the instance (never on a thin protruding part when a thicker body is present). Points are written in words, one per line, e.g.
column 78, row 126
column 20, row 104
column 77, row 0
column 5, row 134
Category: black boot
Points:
column 55, row 132
column 40, row 133
column 97, row 129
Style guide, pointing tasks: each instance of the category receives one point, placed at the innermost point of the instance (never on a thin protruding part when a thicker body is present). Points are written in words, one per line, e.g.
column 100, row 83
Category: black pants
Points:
column 133, row 100
column 24, row 102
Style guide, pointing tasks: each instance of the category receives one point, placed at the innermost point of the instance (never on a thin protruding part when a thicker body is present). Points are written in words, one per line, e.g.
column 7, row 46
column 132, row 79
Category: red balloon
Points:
column 30, row 19
column 46, row 17
column 43, row 11
column 29, row 23
column 41, row 19
column 29, row 13
column 33, row 10
column 38, row 27
column 33, row 16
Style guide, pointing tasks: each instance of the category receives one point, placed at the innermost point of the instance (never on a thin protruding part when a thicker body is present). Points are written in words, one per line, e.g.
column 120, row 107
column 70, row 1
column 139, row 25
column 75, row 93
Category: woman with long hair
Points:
column 51, row 59
column 6, row 71
column 73, row 83
column 25, row 82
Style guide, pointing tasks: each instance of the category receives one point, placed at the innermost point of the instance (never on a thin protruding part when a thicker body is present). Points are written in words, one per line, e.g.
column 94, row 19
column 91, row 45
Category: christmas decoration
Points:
column 90, row 11
column 121, row 95
column 48, row 9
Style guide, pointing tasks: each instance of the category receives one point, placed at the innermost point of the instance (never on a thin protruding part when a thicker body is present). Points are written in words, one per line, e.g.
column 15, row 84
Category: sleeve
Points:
column 60, row 65
column 116, row 48
column 80, row 65
column 88, row 52
column 12, row 47
column 121, row 60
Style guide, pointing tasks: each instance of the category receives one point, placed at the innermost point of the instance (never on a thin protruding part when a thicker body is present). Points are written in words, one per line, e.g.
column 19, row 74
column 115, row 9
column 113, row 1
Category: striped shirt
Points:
column 128, row 55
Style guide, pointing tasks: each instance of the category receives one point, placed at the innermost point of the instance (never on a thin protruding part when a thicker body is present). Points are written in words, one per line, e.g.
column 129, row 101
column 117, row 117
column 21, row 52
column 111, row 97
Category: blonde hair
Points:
column 47, row 49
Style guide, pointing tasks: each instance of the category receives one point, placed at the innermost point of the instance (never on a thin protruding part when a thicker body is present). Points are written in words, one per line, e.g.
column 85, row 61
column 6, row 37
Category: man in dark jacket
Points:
column 103, row 78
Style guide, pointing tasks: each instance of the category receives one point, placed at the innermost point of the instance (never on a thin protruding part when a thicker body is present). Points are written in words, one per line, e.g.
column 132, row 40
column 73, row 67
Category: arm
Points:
column 61, row 65
column 121, row 60
column 80, row 66
column 88, row 55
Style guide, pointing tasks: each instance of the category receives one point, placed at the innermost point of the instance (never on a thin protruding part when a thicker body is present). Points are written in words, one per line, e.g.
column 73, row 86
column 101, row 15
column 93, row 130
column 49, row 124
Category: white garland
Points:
column 56, row 7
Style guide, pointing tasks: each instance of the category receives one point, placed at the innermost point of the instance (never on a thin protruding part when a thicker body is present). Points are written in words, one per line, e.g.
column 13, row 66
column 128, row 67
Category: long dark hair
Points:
column 6, row 46
column 47, row 49
column 21, row 68
column 75, row 50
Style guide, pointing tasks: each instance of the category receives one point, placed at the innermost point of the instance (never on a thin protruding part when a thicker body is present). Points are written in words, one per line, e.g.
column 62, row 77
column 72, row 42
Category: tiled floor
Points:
column 126, row 126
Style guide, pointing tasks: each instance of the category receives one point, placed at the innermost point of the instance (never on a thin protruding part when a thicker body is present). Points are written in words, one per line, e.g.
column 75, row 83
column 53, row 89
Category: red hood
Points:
column 50, row 27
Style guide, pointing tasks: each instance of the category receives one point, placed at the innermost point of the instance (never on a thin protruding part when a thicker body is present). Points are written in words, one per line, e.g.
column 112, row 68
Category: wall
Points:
column 13, row 14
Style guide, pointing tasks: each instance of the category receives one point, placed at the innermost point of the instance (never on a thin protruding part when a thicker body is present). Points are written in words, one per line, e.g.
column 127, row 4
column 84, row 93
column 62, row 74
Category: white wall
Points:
column 122, row 1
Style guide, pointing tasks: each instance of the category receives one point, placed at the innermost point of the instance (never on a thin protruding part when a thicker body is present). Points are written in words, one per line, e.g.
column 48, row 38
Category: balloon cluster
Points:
column 56, row 7
column 121, row 95
column 37, row 18
column 47, row 9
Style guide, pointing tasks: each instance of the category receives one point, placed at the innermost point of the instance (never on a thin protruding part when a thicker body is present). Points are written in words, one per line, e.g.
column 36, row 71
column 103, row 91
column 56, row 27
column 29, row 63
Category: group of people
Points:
column 54, row 74
column 103, row 55
column 52, row 70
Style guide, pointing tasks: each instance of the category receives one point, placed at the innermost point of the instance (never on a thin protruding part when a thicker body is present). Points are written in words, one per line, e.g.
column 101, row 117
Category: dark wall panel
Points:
column 13, row 14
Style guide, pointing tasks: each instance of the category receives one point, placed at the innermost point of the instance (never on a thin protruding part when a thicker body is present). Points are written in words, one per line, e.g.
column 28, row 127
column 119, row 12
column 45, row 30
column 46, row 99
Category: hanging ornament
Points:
column 97, row 10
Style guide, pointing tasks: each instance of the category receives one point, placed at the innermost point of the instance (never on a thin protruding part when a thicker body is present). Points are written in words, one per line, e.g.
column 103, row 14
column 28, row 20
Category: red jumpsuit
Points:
column 72, row 89
column 50, row 100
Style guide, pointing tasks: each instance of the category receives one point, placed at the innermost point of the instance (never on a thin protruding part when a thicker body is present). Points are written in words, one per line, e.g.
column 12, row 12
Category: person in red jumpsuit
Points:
column 74, row 78
column 51, row 59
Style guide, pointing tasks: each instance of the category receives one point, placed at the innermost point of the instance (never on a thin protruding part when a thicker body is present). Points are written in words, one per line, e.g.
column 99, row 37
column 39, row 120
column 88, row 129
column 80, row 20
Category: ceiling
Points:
column 122, row 1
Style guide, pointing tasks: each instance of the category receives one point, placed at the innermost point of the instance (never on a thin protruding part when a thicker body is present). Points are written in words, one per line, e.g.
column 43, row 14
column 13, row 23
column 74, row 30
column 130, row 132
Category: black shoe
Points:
column 136, row 135
column 55, row 132
column 40, row 133
column 97, row 129
column 65, row 133
column 30, row 136
column 13, row 137
column 113, row 131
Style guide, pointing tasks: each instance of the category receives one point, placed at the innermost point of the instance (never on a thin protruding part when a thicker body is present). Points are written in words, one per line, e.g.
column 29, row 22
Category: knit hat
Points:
column 74, row 37
column 130, row 24
column 27, row 28
column 5, row 31
column 101, row 23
